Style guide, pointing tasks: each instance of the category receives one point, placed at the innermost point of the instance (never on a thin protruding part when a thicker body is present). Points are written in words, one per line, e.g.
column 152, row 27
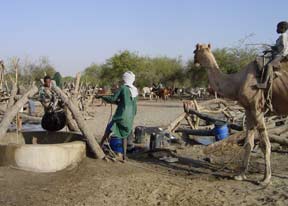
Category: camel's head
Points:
column 200, row 52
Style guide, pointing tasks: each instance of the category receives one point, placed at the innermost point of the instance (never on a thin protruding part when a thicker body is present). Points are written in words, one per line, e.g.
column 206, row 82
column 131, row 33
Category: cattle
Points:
column 148, row 91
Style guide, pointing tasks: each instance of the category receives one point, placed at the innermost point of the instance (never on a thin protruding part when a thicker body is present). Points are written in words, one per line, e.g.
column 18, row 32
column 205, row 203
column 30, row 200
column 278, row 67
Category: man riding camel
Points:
column 279, row 51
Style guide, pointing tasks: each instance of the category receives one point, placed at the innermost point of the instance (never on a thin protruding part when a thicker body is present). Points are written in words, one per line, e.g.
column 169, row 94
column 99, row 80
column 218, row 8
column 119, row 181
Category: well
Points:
column 42, row 151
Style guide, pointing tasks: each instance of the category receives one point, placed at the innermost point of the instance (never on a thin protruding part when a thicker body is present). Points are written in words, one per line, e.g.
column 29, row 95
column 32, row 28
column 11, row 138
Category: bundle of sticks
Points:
column 202, row 116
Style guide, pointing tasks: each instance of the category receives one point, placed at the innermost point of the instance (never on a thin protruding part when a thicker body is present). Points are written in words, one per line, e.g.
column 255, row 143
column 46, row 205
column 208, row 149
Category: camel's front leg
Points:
column 248, row 146
column 266, row 149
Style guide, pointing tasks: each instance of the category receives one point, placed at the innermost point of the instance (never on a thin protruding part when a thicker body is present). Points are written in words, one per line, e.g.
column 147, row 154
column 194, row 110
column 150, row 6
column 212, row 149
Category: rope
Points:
column 268, row 98
column 229, row 161
column 111, row 111
column 106, row 141
column 17, row 129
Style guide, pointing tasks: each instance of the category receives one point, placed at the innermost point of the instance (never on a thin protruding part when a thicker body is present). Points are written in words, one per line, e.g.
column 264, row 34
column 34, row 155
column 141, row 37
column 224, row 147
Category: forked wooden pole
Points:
column 81, row 123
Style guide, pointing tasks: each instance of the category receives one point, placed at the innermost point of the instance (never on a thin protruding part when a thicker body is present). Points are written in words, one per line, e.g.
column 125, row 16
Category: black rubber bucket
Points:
column 54, row 121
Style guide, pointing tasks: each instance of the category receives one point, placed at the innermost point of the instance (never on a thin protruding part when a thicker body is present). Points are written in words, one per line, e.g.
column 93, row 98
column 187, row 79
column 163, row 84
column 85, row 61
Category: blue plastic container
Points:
column 220, row 131
column 116, row 144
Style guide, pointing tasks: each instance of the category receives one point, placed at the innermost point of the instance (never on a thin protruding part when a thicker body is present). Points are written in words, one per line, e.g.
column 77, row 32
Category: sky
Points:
column 74, row 34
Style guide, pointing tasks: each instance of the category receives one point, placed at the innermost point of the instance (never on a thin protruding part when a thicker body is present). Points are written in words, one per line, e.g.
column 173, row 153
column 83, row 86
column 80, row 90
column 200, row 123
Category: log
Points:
column 278, row 130
column 77, row 85
column 2, row 99
column 205, row 116
column 215, row 101
column 237, row 138
column 26, row 117
column 198, row 132
column 214, row 120
column 81, row 123
column 12, row 96
column 278, row 139
column 14, row 85
column 232, row 139
column 213, row 111
column 175, row 123
column 11, row 112
column 2, row 70
column 197, row 122
column 189, row 120
column 72, row 125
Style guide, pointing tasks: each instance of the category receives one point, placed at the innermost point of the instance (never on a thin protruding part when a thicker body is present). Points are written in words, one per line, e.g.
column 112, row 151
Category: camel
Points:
column 241, row 87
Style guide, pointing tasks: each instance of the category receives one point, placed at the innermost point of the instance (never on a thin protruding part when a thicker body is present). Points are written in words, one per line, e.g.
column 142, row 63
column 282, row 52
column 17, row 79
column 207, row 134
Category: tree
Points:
column 92, row 74
column 233, row 59
column 147, row 69
column 118, row 64
column 197, row 75
column 35, row 71
column 68, row 79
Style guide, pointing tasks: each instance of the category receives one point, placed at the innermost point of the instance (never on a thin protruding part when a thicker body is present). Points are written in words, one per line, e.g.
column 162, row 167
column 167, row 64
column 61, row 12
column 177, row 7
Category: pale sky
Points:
column 73, row 34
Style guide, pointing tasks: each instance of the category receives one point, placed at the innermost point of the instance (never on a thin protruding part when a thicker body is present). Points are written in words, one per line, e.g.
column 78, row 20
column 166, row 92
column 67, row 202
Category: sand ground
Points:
column 144, row 180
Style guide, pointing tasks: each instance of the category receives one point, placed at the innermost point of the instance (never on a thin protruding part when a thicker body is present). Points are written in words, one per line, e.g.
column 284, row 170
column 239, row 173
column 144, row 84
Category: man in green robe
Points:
column 122, row 121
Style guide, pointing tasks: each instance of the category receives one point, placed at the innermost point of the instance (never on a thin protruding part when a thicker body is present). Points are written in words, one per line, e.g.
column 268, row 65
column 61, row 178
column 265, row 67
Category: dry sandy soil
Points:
column 145, row 180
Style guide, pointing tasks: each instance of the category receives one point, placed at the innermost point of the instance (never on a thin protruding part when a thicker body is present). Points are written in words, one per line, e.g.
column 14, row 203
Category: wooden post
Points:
column 188, row 119
column 197, row 118
column 72, row 125
column 175, row 123
column 12, row 95
column 2, row 70
column 11, row 112
column 81, row 123
column 77, row 85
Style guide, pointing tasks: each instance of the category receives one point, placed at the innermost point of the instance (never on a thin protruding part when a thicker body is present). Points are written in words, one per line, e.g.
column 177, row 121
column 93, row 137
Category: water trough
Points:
column 42, row 151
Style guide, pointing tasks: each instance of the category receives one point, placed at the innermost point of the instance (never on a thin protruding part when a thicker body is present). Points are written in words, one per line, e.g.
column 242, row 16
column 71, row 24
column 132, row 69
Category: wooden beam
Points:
column 173, row 125
column 81, row 123
column 11, row 112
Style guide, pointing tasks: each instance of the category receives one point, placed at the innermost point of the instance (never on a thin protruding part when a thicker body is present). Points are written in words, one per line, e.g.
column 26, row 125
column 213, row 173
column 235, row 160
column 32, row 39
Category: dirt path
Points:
column 149, row 113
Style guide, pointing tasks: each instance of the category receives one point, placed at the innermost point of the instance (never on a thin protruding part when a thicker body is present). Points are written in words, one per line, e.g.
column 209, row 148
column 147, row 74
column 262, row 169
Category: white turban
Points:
column 129, row 78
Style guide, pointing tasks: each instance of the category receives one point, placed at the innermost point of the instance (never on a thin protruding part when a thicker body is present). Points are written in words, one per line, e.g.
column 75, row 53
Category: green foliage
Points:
column 67, row 79
column 58, row 79
column 29, row 72
column 114, row 67
column 36, row 71
column 166, row 70
column 146, row 69
column 91, row 75
column 197, row 75
column 171, row 72
column 231, row 60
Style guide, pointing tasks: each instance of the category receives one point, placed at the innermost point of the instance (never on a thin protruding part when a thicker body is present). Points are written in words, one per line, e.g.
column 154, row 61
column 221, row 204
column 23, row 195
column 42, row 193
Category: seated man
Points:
column 54, row 118
column 46, row 95
column 279, row 51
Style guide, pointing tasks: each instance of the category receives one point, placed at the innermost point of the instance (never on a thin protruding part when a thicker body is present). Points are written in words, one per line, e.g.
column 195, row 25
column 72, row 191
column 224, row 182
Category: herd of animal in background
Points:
column 165, row 93
column 86, row 94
